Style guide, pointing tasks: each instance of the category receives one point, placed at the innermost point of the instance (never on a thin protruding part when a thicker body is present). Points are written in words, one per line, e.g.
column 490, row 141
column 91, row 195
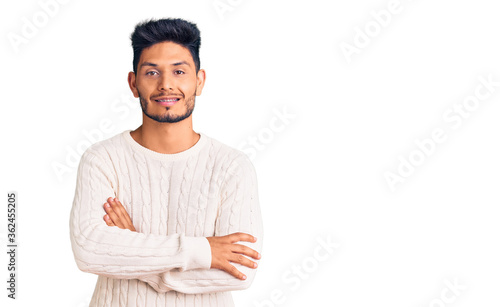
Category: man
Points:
column 163, row 215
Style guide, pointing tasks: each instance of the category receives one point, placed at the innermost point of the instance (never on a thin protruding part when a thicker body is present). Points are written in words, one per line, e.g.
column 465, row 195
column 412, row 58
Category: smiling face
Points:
column 166, row 82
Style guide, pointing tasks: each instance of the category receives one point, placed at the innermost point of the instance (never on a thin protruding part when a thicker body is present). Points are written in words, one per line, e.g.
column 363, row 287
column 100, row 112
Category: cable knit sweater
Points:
column 175, row 201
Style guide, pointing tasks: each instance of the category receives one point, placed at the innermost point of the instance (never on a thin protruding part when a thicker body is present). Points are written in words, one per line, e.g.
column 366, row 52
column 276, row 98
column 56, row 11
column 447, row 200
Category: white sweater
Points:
column 174, row 201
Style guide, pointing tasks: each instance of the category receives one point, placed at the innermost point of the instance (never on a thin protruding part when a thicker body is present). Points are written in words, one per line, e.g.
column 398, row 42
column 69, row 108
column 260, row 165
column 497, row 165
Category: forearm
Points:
column 96, row 250
column 205, row 280
column 197, row 281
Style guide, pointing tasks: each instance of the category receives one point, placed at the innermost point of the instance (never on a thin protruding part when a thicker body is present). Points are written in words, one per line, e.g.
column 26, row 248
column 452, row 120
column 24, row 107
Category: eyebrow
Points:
column 149, row 64
column 156, row 65
column 181, row 63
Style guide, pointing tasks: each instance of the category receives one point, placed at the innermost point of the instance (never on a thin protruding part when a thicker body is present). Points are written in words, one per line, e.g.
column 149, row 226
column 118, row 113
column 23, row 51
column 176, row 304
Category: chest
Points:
column 166, row 198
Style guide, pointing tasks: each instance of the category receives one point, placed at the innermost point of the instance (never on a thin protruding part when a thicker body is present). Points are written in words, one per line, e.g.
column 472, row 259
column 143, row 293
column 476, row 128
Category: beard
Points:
column 168, row 117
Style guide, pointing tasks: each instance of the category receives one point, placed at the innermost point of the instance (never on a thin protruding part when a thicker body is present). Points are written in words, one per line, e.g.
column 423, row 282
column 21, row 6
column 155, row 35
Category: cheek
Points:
column 188, row 89
column 146, row 87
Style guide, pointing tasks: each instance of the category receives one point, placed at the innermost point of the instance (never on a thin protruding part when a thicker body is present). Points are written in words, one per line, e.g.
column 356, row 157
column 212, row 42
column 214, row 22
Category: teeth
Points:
column 168, row 100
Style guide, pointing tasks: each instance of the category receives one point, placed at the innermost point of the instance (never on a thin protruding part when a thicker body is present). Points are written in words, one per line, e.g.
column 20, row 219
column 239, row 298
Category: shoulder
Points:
column 103, row 150
column 230, row 157
column 236, row 165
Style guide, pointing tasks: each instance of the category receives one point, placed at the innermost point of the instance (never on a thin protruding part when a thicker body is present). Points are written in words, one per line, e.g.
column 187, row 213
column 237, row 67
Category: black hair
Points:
column 176, row 30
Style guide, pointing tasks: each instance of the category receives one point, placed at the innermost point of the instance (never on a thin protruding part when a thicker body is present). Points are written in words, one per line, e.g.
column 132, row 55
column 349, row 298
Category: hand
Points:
column 225, row 250
column 117, row 215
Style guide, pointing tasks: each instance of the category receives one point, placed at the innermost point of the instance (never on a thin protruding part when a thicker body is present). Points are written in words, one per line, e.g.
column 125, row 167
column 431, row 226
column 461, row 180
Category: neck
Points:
column 166, row 138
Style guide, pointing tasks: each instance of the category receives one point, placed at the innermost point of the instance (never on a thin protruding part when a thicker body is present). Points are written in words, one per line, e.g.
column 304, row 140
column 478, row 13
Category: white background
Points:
column 322, row 174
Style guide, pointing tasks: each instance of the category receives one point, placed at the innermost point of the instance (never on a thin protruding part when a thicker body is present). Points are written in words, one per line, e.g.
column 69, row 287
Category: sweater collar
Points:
column 193, row 150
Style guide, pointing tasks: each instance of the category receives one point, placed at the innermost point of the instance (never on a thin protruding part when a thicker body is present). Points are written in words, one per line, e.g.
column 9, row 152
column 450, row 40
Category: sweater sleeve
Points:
column 121, row 253
column 239, row 211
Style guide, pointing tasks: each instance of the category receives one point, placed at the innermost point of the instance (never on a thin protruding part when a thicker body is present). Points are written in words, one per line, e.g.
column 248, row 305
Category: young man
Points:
column 163, row 215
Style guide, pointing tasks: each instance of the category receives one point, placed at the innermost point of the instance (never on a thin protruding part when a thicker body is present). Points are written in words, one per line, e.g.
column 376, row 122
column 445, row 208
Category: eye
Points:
column 178, row 72
column 150, row 73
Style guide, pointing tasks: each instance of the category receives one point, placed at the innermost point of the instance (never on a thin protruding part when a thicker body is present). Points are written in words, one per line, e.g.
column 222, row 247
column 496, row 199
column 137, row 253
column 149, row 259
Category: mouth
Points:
column 166, row 101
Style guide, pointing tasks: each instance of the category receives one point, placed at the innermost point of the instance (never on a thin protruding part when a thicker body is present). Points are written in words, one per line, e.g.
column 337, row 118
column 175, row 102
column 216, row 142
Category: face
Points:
column 166, row 82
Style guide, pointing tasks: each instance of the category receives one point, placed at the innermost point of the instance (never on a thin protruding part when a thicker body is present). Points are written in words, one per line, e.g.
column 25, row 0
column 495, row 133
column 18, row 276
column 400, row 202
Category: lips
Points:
column 167, row 101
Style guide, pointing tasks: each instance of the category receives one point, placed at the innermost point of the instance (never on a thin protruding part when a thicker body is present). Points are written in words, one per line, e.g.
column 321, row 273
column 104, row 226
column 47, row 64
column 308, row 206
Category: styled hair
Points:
column 176, row 30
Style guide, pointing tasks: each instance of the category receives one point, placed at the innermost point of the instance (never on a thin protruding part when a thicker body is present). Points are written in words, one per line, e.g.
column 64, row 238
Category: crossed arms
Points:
column 174, row 262
column 224, row 248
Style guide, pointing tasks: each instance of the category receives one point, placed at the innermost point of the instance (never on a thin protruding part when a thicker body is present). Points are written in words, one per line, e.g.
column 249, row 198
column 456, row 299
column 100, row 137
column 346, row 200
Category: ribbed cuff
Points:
column 198, row 253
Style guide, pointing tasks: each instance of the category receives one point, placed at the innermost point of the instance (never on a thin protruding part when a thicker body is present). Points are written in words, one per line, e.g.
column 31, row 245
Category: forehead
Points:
column 166, row 53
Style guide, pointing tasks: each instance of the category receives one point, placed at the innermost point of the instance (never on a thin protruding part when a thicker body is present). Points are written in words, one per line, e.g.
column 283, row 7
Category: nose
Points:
column 165, row 83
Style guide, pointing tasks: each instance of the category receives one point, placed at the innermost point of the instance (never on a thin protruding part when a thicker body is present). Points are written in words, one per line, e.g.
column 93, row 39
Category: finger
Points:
column 239, row 258
column 125, row 214
column 114, row 217
column 108, row 221
column 117, row 209
column 231, row 269
column 241, row 236
column 245, row 250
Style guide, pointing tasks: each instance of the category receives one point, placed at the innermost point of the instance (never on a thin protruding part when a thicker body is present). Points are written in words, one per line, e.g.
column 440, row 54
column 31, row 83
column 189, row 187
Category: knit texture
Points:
column 175, row 201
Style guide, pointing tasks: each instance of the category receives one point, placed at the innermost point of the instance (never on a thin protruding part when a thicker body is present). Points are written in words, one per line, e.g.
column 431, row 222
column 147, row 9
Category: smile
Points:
column 167, row 101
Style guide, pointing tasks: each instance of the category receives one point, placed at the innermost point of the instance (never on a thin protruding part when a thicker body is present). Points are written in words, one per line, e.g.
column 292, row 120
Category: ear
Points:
column 200, row 81
column 132, row 85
